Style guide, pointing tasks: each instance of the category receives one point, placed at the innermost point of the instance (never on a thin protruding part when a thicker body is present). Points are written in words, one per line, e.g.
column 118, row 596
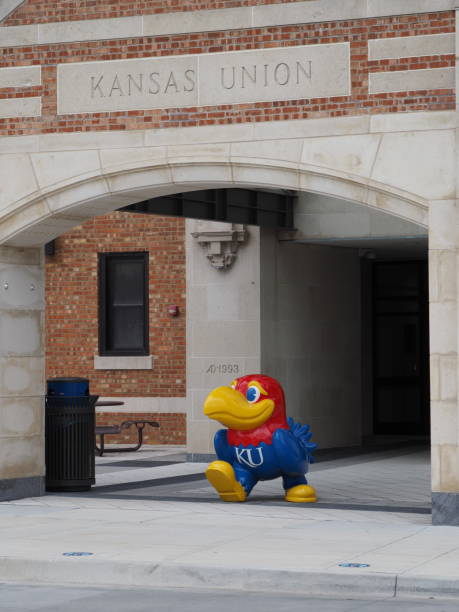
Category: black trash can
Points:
column 69, row 435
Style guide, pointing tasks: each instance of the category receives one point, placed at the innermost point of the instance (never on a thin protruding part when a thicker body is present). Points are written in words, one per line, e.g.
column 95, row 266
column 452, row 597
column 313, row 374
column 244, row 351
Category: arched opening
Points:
column 318, row 242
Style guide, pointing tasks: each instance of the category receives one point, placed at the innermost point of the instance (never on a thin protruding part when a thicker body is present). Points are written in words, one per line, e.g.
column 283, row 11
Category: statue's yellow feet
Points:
column 301, row 493
column 221, row 476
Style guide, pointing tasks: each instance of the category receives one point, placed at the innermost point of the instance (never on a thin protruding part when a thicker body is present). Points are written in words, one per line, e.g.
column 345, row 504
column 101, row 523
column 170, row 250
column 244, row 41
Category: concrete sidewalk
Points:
column 166, row 540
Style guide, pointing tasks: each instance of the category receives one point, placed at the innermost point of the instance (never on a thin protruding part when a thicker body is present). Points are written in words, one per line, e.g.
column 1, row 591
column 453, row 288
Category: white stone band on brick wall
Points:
column 411, row 80
column 411, row 46
column 22, row 76
column 123, row 362
column 312, row 11
column 20, row 107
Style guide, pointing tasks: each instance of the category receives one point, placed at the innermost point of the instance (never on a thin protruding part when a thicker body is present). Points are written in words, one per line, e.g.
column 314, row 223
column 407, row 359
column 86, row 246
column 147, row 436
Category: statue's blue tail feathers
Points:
column 303, row 434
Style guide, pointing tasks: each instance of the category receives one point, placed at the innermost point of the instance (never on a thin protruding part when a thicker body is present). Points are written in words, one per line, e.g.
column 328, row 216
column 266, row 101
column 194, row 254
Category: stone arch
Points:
column 53, row 209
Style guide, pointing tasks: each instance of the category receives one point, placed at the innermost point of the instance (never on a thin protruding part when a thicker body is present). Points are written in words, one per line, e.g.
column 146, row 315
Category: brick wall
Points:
column 172, row 427
column 357, row 32
column 72, row 303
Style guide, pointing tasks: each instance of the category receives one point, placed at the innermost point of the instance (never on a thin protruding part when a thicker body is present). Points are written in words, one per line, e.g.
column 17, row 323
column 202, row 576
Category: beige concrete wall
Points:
column 443, row 251
column 21, row 364
column 223, row 326
column 310, row 335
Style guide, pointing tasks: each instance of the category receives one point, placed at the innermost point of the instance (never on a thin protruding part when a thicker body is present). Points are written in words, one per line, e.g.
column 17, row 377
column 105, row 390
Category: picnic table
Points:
column 105, row 430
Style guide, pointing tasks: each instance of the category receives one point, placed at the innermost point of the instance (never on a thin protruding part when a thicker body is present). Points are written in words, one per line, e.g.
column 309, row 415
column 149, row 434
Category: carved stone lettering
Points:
column 284, row 73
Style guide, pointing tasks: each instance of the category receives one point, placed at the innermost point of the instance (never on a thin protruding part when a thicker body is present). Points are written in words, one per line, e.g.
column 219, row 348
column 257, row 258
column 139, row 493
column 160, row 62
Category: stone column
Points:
column 22, row 465
column 223, row 319
column 444, row 336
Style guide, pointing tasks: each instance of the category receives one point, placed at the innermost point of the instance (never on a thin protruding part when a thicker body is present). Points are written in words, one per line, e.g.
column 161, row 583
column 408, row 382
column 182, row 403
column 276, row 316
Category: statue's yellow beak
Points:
column 231, row 408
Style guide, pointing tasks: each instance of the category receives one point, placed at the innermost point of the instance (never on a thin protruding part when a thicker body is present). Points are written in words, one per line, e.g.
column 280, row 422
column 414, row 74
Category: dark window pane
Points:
column 126, row 324
column 125, row 282
column 123, row 307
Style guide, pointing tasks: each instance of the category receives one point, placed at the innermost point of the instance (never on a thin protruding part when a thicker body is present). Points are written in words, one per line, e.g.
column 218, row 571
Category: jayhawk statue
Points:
column 260, row 442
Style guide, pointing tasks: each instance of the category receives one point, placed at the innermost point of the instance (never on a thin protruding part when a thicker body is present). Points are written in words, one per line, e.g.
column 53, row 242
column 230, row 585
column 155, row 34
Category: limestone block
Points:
column 22, row 376
column 411, row 80
column 420, row 163
column 206, row 152
column 134, row 84
column 201, row 174
column 201, row 134
column 252, row 366
column 150, row 179
column 7, row 7
column 434, row 377
column 308, row 12
column 411, row 46
column 90, row 29
column 21, row 287
column 447, row 275
column 16, row 179
column 222, row 303
column 130, row 158
column 284, row 149
column 263, row 176
column 435, row 466
column 311, row 128
column 198, row 397
column 20, row 107
column 74, row 195
column 197, row 21
column 20, row 76
column 381, row 196
column 10, row 255
column 21, row 417
column 376, row 8
column 444, row 422
column 20, row 333
column 442, row 321
column 350, row 154
column 64, row 167
column 443, row 229
column 314, row 181
column 41, row 228
column 19, row 36
column 449, row 464
column 19, row 144
column 283, row 73
column 448, row 377
column 199, row 438
column 412, row 122
column 27, row 217
column 22, row 457
column 75, row 141
column 225, row 340
column 123, row 363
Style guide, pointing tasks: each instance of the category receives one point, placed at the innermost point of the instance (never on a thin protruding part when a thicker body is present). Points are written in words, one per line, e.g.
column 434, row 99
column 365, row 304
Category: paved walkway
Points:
column 163, row 526
column 393, row 480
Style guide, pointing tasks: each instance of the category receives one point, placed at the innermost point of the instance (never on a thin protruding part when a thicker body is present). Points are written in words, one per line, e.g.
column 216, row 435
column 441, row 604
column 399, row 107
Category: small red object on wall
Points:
column 173, row 310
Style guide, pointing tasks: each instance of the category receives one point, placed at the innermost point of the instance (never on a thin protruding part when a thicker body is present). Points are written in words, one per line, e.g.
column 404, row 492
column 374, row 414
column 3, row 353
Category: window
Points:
column 123, row 304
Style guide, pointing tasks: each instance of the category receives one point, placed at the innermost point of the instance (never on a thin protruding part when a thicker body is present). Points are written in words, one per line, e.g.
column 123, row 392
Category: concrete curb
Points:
column 96, row 572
